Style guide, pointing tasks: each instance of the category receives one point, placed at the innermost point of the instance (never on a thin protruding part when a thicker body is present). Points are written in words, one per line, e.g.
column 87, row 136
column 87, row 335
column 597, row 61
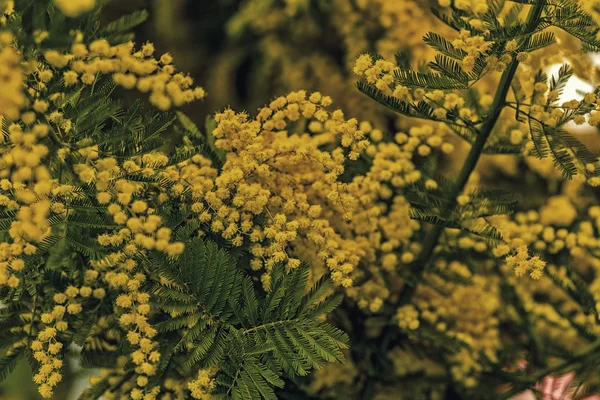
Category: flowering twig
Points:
column 498, row 105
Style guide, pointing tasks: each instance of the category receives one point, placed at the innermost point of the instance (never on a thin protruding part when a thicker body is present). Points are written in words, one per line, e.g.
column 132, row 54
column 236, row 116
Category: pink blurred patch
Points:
column 553, row 388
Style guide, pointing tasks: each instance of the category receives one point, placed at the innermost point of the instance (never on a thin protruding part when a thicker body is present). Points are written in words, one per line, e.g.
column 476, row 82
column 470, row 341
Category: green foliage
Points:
column 443, row 46
column 434, row 206
column 415, row 79
column 539, row 41
column 450, row 68
column 558, row 83
column 223, row 321
column 569, row 17
column 118, row 31
column 9, row 361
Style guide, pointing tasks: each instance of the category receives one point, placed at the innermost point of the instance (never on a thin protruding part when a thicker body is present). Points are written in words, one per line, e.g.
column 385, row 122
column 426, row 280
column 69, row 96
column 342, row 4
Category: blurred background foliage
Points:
column 245, row 52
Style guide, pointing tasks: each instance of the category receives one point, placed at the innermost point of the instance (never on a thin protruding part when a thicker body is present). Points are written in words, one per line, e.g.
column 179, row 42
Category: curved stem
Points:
column 432, row 237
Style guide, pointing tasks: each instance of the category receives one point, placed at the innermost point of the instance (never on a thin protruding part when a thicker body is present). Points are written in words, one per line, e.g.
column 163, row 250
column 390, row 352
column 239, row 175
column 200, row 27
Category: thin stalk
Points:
column 432, row 237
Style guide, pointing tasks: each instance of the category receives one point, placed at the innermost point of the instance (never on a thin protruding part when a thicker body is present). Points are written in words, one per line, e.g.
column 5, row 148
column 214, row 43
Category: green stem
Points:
column 33, row 310
column 534, row 344
column 432, row 237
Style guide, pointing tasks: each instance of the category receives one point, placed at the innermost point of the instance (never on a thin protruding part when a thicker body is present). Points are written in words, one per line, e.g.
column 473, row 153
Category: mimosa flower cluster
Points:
column 41, row 200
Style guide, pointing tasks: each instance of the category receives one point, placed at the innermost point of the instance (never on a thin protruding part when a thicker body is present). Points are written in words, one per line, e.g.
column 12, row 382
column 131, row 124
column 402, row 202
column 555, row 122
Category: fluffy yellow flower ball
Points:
column 74, row 8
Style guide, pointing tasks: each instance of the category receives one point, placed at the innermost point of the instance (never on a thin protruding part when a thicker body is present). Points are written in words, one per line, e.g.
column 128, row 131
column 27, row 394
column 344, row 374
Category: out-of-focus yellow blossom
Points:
column 408, row 317
column 12, row 98
column 74, row 8
column 201, row 387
